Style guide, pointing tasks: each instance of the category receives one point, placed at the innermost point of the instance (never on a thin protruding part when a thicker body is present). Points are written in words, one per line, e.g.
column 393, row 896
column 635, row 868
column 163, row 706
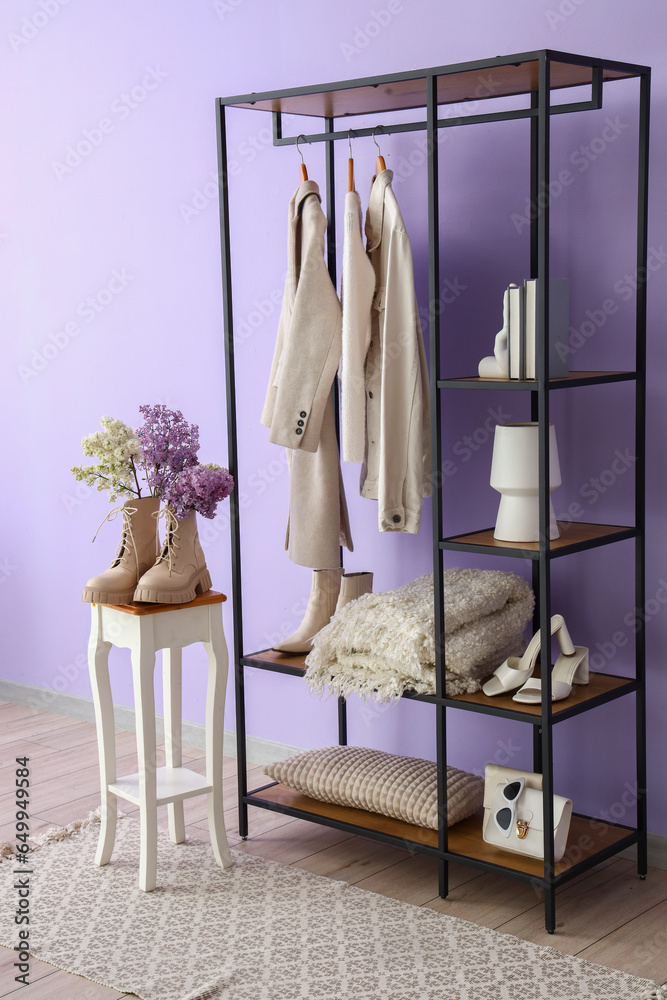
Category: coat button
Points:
column 303, row 413
column 370, row 395
column 299, row 423
column 396, row 518
column 299, row 431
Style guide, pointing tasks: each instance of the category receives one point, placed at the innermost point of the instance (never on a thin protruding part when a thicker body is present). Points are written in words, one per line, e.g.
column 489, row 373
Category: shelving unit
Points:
column 537, row 75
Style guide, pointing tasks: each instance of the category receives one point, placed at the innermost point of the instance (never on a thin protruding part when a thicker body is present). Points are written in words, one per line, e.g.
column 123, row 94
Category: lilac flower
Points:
column 199, row 488
column 168, row 444
column 117, row 449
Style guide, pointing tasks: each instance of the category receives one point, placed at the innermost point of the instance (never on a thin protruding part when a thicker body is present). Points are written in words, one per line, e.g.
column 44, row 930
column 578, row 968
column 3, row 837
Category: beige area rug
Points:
column 265, row 931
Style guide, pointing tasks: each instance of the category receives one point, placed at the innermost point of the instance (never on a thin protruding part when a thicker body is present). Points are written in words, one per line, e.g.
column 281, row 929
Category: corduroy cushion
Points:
column 401, row 787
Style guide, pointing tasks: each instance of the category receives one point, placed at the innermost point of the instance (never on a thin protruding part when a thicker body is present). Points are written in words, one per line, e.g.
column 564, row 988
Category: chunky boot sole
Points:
column 199, row 584
column 91, row 596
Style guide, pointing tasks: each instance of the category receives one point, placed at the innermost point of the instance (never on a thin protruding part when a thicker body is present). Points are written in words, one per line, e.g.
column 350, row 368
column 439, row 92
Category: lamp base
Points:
column 519, row 519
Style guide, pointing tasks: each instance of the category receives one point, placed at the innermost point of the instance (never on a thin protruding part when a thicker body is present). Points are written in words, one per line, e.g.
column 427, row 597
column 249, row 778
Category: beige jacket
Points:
column 298, row 408
column 397, row 464
column 358, row 286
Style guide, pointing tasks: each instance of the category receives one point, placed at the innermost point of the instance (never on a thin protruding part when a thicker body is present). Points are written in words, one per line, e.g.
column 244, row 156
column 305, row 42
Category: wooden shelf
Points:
column 271, row 659
column 400, row 92
column 173, row 785
column 288, row 797
column 602, row 687
column 531, row 385
column 587, row 837
column 210, row 597
column 574, row 536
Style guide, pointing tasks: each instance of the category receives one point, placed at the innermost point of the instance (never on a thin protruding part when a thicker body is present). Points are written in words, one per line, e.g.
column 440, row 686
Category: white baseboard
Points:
column 258, row 751
column 75, row 706
column 657, row 851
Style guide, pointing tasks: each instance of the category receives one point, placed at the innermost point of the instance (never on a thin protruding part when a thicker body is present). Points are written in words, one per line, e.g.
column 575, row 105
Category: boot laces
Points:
column 122, row 550
column 170, row 545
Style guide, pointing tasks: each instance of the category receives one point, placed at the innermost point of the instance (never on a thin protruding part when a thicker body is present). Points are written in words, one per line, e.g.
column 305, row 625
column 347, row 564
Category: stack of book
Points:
column 524, row 332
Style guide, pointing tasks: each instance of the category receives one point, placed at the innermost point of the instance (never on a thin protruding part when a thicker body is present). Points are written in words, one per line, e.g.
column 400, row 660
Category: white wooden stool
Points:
column 145, row 628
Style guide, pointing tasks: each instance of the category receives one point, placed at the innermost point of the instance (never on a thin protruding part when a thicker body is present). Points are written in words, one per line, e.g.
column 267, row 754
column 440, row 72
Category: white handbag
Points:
column 513, row 817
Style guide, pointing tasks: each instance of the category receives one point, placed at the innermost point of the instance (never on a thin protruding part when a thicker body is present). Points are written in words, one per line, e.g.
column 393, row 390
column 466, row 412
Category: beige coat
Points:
column 298, row 408
column 358, row 286
column 397, row 464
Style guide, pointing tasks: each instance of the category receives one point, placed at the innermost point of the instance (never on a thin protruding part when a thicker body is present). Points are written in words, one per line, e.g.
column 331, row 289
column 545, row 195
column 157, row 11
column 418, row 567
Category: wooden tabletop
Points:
column 210, row 597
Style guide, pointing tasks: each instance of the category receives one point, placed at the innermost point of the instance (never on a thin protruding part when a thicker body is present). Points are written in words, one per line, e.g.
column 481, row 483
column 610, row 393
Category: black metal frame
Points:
column 539, row 113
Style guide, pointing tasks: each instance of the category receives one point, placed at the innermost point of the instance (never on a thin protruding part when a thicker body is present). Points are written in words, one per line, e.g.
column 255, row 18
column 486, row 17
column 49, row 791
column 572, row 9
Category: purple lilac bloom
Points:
column 168, row 443
column 199, row 488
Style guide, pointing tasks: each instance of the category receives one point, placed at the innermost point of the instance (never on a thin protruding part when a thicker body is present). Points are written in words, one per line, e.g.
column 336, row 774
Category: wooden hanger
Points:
column 302, row 169
column 350, row 164
column 380, row 165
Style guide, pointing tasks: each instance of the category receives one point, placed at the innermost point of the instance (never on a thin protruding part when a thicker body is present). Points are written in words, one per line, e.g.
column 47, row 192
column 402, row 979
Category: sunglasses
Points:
column 504, row 817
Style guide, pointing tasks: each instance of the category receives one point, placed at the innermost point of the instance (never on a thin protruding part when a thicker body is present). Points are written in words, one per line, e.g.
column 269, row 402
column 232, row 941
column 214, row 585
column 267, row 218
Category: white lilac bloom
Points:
column 116, row 447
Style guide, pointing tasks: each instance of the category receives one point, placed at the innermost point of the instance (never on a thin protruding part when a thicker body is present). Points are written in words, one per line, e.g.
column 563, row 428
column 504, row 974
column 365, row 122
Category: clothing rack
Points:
column 537, row 75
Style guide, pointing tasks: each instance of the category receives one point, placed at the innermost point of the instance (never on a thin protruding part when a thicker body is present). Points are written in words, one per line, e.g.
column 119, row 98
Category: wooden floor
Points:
column 607, row 916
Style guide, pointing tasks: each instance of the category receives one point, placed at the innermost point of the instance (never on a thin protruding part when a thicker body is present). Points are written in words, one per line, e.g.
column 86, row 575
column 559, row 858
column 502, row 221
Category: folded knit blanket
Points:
column 384, row 644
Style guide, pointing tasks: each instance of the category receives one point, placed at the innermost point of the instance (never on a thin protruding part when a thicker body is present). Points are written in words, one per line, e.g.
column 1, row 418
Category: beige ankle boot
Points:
column 353, row 585
column 180, row 572
column 137, row 551
column 321, row 605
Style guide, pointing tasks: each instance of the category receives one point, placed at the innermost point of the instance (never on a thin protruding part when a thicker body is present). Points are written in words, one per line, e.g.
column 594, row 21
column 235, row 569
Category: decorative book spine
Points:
column 559, row 322
column 517, row 336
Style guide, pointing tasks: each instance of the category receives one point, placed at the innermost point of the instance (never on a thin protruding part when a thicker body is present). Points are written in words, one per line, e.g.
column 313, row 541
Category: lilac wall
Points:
column 137, row 83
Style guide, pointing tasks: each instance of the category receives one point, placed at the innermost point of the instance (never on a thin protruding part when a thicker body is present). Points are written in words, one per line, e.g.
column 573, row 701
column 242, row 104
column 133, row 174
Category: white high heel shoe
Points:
column 516, row 670
column 570, row 668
